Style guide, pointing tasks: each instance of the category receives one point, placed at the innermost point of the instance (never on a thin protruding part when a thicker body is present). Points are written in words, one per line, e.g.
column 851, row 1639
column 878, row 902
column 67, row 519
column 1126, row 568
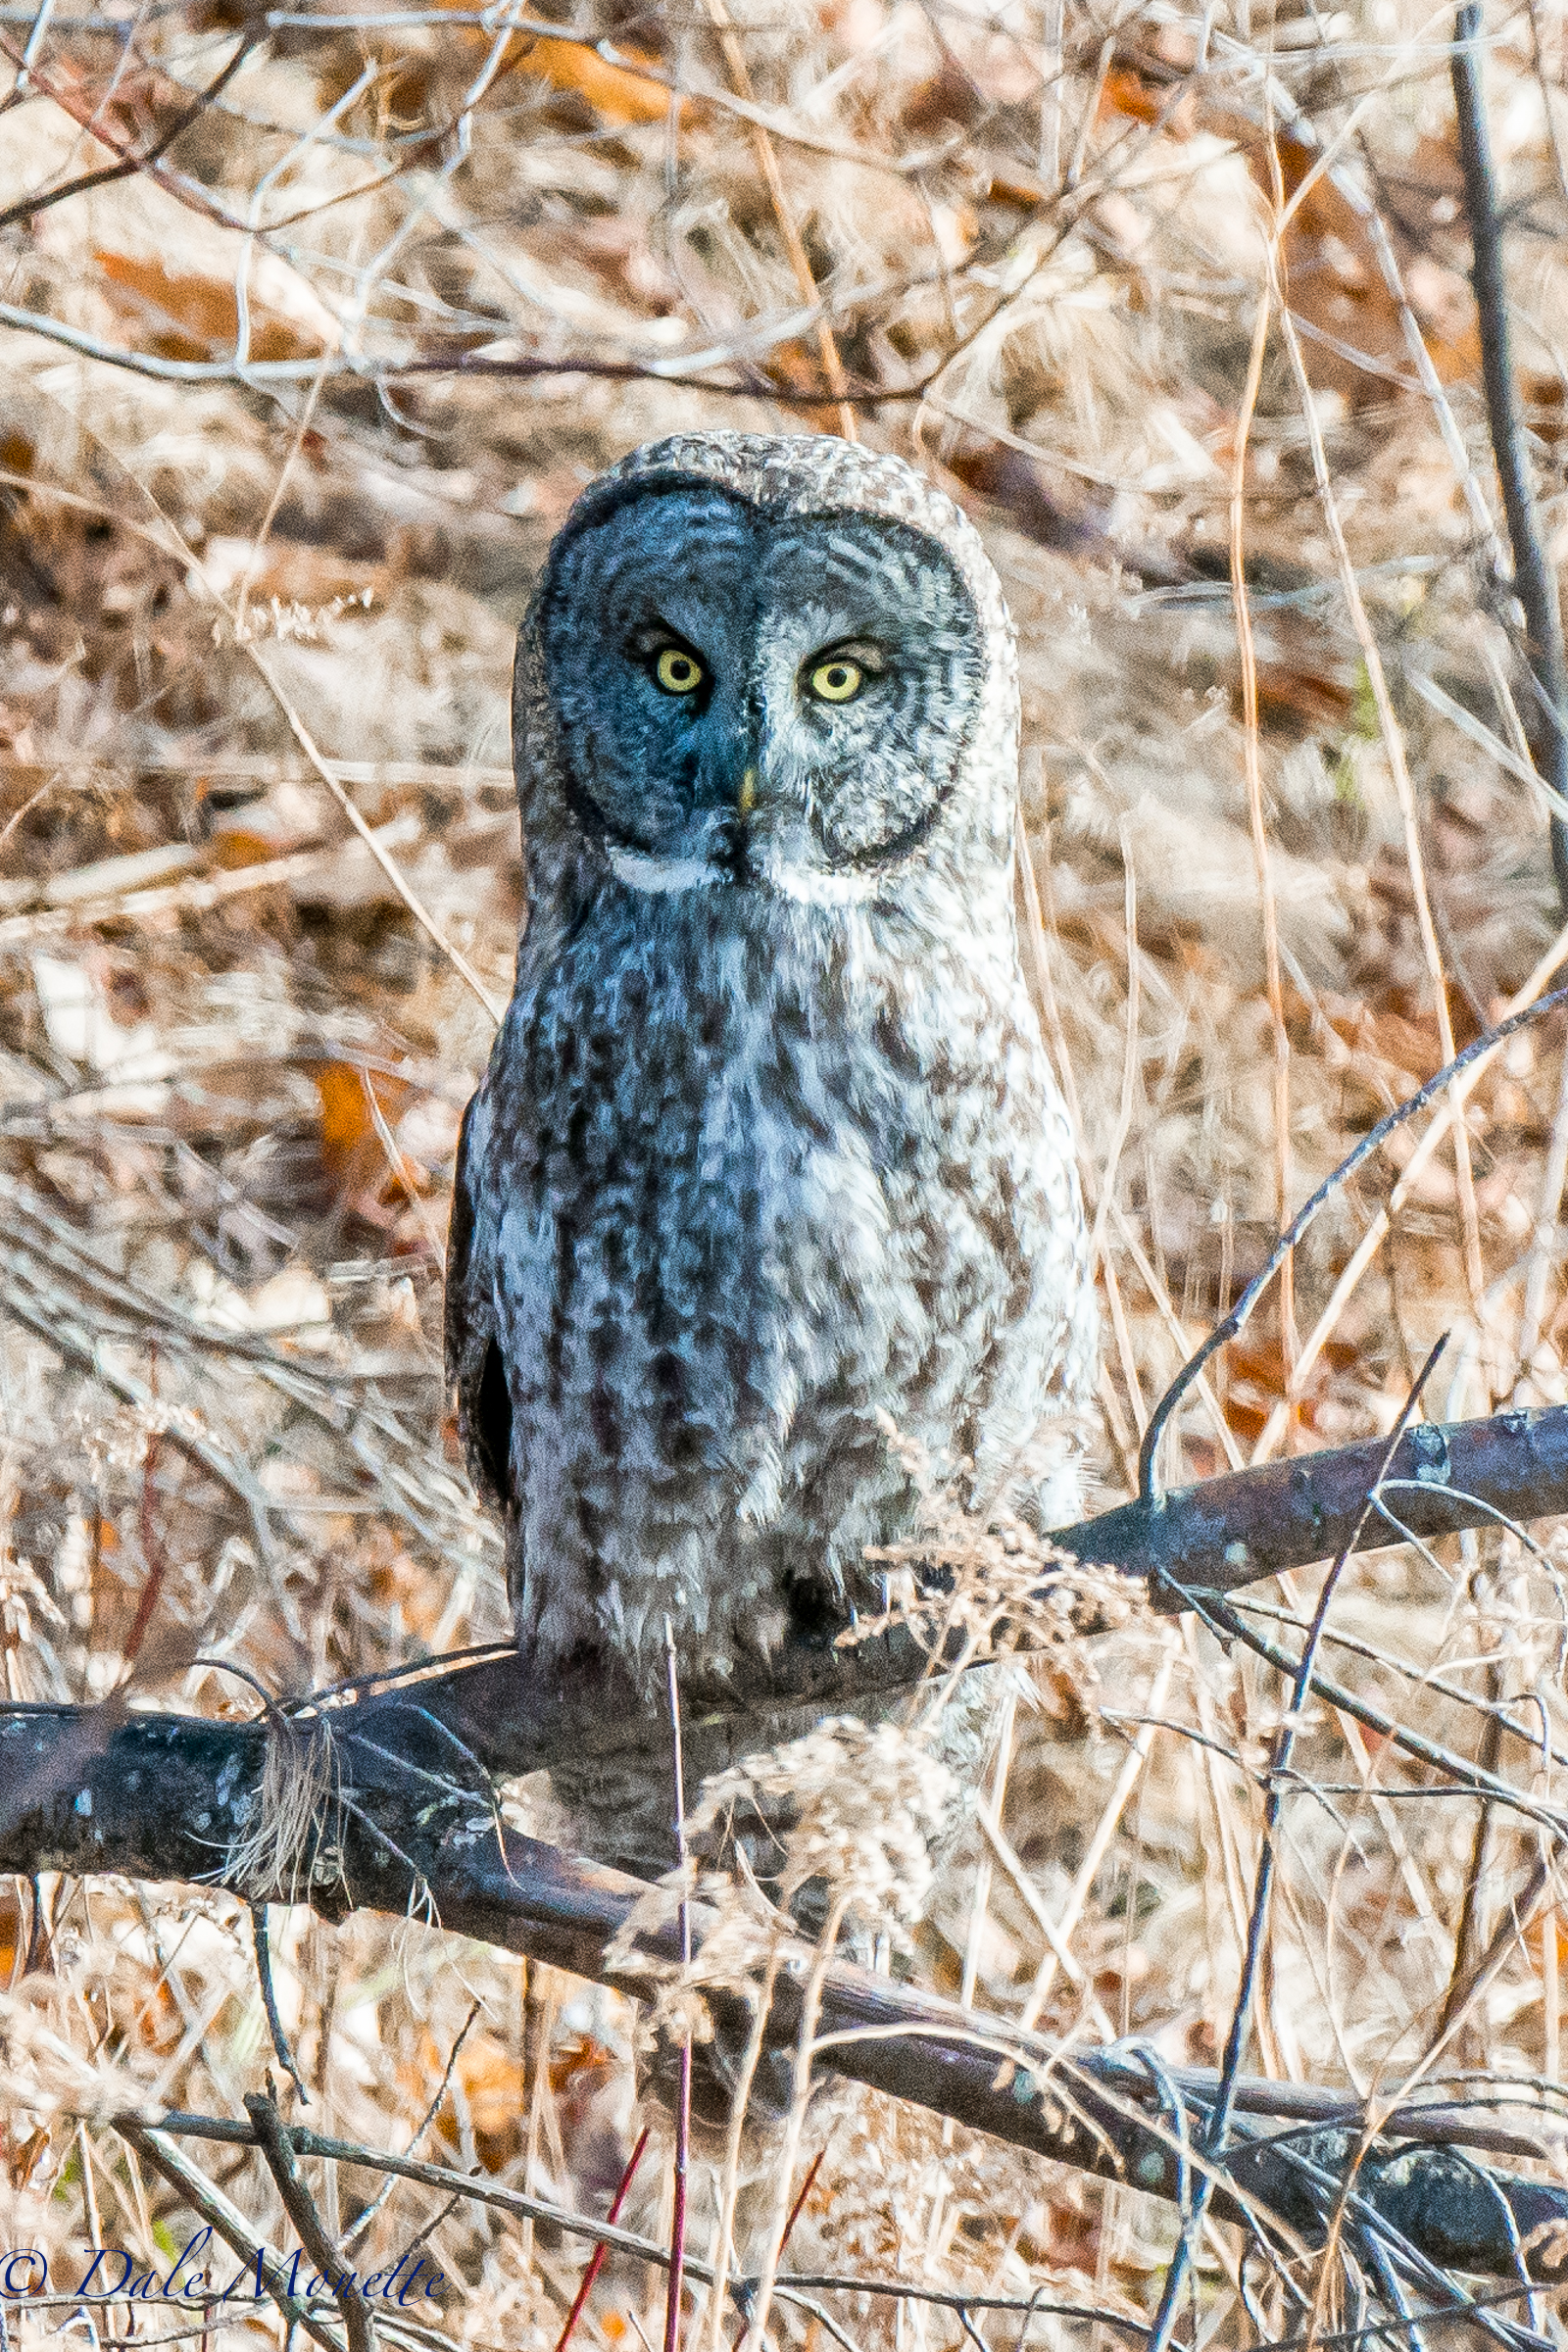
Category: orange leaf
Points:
column 1293, row 697
column 11, row 1935
column 613, row 90
column 24, row 2160
column 190, row 316
column 1246, row 1421
column 237, row 848
column 493, row 2086
column 580, row 2056
column 353, row 1152
column 1149, row 97
column 619, row 91
column 347, row 1126
column 1127, row 93
column 1535, row 1934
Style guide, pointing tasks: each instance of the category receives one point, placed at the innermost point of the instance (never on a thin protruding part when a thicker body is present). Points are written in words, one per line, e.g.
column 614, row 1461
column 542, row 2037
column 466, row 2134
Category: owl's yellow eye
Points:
column 837, row 681
column 678, row 672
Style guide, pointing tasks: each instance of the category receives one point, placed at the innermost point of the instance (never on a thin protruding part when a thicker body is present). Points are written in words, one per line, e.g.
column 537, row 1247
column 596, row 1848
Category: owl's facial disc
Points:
column 869, row 676
column 743, row 695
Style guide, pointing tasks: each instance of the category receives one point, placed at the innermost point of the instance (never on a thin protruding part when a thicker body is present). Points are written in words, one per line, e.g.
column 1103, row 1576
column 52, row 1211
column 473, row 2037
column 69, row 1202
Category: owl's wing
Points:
column 475, row 1365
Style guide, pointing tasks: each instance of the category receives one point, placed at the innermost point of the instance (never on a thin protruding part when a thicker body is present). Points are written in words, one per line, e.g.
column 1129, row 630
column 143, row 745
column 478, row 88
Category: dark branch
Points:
column 131, row 161
column 498, row 1714
column 1215, row 1536
column 407, row 1822
column 1534, row 582
column 272, row 2139
column 1227, row 1532
column 162, row 1799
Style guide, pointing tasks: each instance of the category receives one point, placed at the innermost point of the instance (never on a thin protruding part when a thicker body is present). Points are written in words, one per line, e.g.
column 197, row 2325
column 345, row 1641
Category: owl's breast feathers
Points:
column 731, row 1191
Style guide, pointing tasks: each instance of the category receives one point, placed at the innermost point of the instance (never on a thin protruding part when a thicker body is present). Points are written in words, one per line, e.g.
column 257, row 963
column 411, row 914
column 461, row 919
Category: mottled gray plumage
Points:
column 767, row 1147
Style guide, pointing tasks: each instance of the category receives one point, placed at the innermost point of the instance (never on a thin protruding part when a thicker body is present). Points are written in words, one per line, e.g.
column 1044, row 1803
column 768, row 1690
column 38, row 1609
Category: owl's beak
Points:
column 746, row 798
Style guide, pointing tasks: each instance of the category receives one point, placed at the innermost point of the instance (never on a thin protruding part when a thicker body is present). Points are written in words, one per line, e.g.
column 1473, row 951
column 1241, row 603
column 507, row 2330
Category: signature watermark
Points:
column 114, row 2275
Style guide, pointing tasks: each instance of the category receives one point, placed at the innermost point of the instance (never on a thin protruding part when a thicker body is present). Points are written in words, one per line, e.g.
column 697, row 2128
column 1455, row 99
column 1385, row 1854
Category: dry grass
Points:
column 233, row 1062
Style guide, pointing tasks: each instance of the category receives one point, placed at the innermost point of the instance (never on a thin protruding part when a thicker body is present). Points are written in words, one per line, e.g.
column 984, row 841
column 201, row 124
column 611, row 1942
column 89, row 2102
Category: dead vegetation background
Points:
column 298, row 380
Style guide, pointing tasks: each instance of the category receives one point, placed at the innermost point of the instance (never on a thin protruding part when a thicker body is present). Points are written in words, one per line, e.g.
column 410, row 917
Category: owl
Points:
column 769, row 1156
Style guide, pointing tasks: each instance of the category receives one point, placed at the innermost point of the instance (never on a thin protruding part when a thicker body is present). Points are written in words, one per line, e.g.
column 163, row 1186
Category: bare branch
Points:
column 1535, row 581
column 1479, row 1051
column 130, row 161
column 300, row 2207
column 164, row 1799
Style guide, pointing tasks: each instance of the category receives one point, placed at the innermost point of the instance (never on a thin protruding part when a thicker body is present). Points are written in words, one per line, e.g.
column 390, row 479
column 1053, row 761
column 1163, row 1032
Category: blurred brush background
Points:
column 313, row 323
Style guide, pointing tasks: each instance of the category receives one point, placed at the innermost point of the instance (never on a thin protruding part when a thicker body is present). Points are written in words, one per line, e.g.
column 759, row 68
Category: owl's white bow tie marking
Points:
column 639, row 871
column 811, row 885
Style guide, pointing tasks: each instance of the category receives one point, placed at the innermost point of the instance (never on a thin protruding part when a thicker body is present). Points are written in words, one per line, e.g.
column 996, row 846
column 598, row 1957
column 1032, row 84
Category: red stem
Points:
column 596, row 2260
column 154, row 1556
column 812, row 2169
column 815, row 2167
column 683, row 2105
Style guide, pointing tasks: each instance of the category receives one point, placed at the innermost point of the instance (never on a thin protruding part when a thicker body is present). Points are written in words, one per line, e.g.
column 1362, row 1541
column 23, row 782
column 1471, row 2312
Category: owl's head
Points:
column 776, row 663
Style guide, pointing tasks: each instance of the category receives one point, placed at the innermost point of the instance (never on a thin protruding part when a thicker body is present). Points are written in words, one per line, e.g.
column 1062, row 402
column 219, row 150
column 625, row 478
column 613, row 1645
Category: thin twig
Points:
column 1392, row 738
column 1217, row 2130
column 274, row 2024
column 369, row 835
column 154, row 1553
column 1409, row 1176
column 980, row 1891
column 1485, row 1044
column 298, row 2204
column 1534, row 579
column 1127, row 1780
column 129, row 165
column 773, row 180
column 209, row 2202
column 1253, row 749
column 368, row 2218
column 796, row 2211
column 1130, row 1057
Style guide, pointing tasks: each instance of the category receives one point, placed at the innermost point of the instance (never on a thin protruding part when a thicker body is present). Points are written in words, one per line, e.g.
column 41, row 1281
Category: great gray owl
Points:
column 767, row 1147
